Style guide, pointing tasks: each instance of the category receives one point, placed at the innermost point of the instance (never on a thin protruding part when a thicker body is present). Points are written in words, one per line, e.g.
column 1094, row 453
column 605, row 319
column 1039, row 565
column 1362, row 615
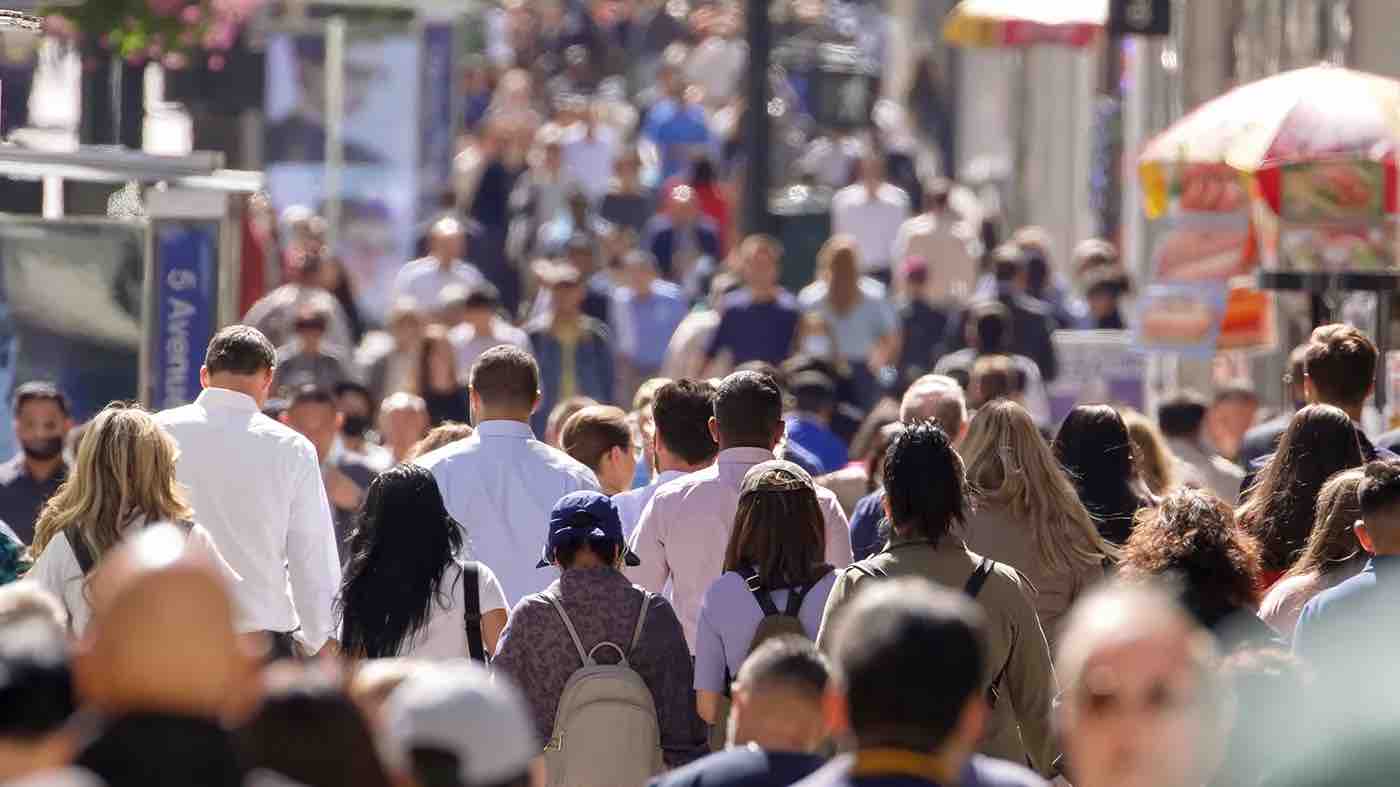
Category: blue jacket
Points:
column 661, row 238
column 593, row 366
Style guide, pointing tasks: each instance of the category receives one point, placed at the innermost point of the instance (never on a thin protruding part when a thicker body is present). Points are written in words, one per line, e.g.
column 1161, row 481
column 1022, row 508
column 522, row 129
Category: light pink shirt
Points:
column 684, row 531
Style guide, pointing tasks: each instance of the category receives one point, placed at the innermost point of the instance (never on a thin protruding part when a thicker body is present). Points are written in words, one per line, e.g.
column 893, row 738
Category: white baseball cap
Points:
column 459, row 708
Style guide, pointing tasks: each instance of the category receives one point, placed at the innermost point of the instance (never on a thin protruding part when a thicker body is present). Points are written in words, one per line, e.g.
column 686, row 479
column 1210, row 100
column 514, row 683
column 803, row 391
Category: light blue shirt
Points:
column 643, row 326
column 729, row 619
column 500, row 485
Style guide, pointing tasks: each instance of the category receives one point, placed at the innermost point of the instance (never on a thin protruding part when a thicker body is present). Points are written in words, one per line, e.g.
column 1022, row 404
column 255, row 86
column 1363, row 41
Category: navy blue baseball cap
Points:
column 585, row 515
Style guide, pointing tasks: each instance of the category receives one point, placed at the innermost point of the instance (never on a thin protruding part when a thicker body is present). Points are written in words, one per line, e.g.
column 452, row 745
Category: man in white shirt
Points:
column 871, row 210
column 589, row 150
column 684, row 530
column 681, row 445
column 424, row 279
column 256, row 487
column 482, row 327
column 948, row 246
column 501, row 483
column 1183, row 418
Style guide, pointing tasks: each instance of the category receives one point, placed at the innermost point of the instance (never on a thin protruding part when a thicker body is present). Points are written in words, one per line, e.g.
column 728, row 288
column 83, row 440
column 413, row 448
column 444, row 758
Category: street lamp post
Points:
column 759, row 127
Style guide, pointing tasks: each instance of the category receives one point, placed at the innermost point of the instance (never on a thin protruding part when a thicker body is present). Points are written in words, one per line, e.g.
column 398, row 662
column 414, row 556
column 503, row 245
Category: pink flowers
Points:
column 165, row 7
column 169, row 31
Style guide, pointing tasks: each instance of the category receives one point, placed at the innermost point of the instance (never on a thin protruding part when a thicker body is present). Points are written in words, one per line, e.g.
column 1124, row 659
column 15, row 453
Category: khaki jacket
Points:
column 1019, row 727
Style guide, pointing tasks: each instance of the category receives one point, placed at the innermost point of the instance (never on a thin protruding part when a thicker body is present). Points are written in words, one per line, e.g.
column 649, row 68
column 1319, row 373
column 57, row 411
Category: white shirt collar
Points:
column 744, row 456
column 226, row 399
column 503, row 428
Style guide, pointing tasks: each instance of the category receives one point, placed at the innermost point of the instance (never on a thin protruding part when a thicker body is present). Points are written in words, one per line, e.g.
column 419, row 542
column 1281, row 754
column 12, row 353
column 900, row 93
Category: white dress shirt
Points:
column 873, row 220
column 469, row 346
column 684, row 532
column 424, row 279
column 57, row 570
column 256, row 486
column 949, row 249
column 500, row 485
column 631, row 503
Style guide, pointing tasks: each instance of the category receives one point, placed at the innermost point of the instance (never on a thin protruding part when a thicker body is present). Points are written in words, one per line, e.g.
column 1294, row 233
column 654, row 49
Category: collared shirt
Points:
column 500, row 485
column 685, row 528
column 1019, row 726
column 469, row 346
column 424, row 279
column 630, row 504
column 979, row 771
column 873, row 220
column 948, row 248
column 537, row 652
column 256, row 486
column 22, row 496
column 642, row 326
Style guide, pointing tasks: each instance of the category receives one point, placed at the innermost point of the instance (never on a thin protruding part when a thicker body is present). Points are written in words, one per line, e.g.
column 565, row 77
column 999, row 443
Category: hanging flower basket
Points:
column 172, row 32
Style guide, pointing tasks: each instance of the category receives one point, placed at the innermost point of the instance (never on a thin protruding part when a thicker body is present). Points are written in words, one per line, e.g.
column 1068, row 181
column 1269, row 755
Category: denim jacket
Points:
column 593, row 366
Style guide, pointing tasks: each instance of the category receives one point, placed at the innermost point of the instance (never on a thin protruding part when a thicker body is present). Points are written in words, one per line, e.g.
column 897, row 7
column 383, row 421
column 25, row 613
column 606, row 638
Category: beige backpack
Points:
column 605, row 730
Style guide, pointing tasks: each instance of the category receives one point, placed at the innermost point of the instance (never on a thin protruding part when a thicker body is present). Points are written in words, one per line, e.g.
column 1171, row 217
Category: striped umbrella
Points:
column 1020, row 23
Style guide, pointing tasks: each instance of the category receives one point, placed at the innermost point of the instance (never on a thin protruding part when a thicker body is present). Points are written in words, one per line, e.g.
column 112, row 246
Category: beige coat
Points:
column 1019, row 726
column 994, row 532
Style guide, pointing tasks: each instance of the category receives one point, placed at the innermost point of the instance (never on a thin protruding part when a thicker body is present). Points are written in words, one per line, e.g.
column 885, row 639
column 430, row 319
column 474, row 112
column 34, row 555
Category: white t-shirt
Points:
column 445, row 635
column 58, row 572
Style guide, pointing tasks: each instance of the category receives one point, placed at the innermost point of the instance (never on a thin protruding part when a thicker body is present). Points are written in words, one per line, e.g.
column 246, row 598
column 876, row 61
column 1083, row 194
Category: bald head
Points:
column 938, row 398
column 160, row 611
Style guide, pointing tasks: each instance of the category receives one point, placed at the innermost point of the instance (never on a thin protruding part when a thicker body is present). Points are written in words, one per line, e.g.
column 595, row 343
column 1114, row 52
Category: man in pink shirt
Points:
column 684, row 530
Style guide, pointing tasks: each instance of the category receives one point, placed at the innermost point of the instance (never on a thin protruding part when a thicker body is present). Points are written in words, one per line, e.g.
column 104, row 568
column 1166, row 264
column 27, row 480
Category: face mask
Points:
column 355, row 426
column 43, row 450
column 818, row 346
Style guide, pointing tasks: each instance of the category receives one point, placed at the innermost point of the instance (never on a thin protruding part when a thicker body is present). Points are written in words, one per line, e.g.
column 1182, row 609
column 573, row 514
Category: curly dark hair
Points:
column 1192, row 538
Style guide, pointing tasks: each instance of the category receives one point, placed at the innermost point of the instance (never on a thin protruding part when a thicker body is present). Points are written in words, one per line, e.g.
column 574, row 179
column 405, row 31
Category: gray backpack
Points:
column 605, row 730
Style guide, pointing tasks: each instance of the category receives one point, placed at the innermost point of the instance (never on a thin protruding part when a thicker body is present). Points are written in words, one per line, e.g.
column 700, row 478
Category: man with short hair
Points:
column 1031, row 322
column 926, row 500
column 1261, row 440
column 873, row 211
column 574, row 350
column 403, row 421
column 947, row 246
column 30, row 478
column 424, row 279
column 501, row 483
column 646, row 310
column 275, row 314
column 988, row 331
column 931, row 397
column 584, row 542
column 809, row 424
column 600, row 438
column 484, row 327
column 681, row 445
column 758, row 322
column 776, row 721
column 1182, row 419
column 36, row 702
column 255, row 484
column 311, row 411
column 451, row 724
column 914, row 723
column 685, row 528
column 357, row 411
column 306, row 360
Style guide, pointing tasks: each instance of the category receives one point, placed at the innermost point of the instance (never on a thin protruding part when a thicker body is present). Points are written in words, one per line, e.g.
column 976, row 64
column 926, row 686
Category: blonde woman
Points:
column 124, row 478
column 1156, row 462
column 862, row 316
column 1028, row 514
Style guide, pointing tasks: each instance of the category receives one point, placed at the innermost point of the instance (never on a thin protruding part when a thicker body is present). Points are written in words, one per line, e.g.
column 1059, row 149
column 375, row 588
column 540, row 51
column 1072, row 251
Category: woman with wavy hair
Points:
column 1028, row 514
column 1282, row 505
column 124, row 478
column 1190, row 541
column 1333, row 555
column 405, row 592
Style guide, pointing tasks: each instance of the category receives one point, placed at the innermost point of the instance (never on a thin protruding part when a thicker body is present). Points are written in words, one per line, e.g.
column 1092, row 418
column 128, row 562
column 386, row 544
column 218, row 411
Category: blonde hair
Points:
column 838, row 264
column 1154, row 460
column 1008, row 462
column 125, row 472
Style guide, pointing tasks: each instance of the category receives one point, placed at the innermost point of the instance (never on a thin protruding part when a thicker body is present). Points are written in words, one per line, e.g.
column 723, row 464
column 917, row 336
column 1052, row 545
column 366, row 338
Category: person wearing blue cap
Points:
column 592, row 603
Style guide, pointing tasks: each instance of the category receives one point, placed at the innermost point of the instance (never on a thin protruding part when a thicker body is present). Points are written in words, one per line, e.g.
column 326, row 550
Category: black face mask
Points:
column 355, row 426
column 43, row 450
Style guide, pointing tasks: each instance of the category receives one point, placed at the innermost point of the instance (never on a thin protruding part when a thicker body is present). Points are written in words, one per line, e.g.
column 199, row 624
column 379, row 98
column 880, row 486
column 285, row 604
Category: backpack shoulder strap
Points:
column 569, row 624
column 796, row 596
column 641, row 623
column 760, row 593
column 471, row 610
column 81, row 551
column 979, row 577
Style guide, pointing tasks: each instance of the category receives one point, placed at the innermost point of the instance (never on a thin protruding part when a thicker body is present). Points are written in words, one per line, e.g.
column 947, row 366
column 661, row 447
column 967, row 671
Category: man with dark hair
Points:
column 1262, row 440
column 682, row 443
column 600, row 438
column 913, row 725
column 307, row 359
column 501, row 482
column 776, row 723
column 574, row 350
column 683, row 531
column 1030, row 320
column 1233, row 411
column 926, row 500
column 30, row 478
column 36, row 701
column 947, row 245
column 538, row 650
column 758, row 322
column 426, row 279
column 1183, row 419
column 484, row 327
column 358, row 416
column 312, row 412
column 989, row 331
column 256, row 486
column 809, row 423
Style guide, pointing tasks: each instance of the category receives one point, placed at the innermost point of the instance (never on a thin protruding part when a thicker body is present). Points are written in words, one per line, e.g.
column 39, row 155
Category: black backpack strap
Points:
column 795, row 598
column 760, row 593
column 471, row 611
column 979, row 577
column 80, row 548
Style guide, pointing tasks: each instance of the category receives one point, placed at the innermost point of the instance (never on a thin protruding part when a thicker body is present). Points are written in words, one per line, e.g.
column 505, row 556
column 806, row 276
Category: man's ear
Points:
column 1364, row 537
column 714, row 429
column 204, row 376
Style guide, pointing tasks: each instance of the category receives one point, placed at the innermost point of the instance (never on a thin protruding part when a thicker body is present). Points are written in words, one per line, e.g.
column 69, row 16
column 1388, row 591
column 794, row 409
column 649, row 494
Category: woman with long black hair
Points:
column 406, row 591
column 1094, row 447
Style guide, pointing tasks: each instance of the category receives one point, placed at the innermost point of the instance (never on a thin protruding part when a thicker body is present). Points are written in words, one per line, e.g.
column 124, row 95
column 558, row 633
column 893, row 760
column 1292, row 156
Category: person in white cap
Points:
column 451, row 725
